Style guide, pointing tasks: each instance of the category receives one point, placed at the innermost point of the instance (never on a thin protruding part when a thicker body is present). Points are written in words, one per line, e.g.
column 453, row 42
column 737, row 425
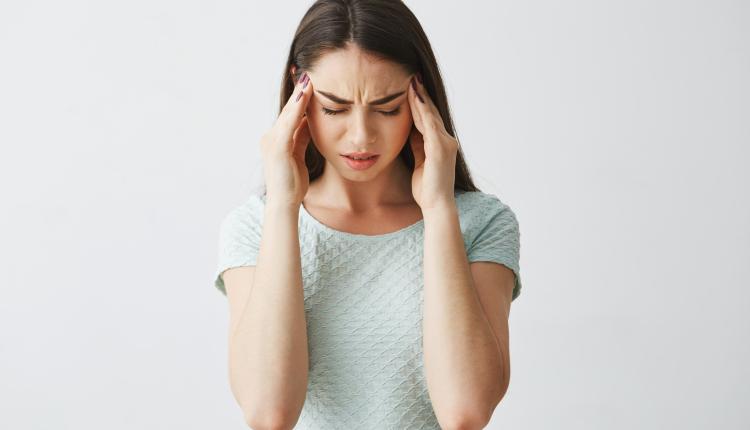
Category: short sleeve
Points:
column 239, row 240
column 498, row 237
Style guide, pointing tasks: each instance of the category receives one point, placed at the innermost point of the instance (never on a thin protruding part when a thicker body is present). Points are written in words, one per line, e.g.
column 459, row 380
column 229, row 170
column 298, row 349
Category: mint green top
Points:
column 363, row 305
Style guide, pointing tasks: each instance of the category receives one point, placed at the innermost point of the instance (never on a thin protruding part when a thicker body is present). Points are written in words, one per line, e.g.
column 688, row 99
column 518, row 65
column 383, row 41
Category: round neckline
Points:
column 342, row 233
column 321, row 226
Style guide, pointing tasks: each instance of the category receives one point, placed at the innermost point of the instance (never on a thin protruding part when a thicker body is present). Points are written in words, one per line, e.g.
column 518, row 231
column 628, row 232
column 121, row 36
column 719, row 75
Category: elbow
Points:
column 278, row 420
column 474, row 418
column 464, row 421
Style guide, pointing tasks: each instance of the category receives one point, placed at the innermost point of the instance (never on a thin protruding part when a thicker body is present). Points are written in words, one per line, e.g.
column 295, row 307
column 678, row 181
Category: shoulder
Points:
column 248, row 215
column 481, row 213
column 476, row 206
column 252, row 204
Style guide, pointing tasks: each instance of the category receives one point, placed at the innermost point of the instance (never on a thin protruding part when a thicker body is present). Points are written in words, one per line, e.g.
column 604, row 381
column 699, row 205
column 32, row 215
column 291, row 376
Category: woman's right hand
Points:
column 283, row 149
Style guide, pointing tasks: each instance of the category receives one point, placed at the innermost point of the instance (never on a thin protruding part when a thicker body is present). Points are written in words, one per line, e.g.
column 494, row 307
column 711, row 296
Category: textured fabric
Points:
column 363, row 306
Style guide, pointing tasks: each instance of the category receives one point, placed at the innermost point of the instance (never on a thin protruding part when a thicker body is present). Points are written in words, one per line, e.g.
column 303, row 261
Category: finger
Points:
column 430, row 121
column 415, row 86
column 423, row 117
column 301, row 139
column 295, row 107
column 417, row 146
column 424, row 97
column 414, row 106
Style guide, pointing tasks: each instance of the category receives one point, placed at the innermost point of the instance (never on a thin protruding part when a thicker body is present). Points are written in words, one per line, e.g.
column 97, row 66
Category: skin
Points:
column 466, row 355
column 379, row 199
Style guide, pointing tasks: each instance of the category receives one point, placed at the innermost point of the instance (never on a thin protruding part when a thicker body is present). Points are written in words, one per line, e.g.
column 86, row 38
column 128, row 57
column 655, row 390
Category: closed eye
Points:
column 386, row 113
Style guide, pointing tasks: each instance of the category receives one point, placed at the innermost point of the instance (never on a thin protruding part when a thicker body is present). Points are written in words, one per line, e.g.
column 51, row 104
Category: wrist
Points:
column 281, row 206
column 439, row 209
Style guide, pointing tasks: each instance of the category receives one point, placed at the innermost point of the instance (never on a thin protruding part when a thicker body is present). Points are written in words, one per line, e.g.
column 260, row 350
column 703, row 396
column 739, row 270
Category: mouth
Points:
column 360, row 155
column 361, row 164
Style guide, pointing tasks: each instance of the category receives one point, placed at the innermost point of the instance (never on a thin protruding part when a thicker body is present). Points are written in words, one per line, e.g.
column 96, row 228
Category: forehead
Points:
column 353, row 73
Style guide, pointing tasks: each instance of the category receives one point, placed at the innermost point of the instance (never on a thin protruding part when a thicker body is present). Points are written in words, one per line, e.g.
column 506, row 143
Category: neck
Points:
column 391, row 187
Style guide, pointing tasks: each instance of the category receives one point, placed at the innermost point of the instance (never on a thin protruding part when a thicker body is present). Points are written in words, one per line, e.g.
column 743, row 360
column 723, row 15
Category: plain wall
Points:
column 617, row 131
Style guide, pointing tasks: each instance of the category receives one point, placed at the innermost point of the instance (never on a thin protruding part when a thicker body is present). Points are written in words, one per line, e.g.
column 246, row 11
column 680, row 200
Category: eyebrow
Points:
column 380, row 101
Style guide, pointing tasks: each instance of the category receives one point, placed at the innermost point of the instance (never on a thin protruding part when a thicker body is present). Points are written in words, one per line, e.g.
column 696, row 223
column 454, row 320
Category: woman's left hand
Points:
column 434, row 151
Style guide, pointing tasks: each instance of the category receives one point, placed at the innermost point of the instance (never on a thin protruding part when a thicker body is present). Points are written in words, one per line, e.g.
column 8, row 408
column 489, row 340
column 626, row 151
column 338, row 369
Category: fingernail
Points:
column 299, row 95
column 307, row 81
column 419, row 78
column 302, row 78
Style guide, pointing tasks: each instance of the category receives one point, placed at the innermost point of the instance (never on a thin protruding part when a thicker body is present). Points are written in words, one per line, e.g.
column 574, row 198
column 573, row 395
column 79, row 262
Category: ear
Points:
column 293, row 71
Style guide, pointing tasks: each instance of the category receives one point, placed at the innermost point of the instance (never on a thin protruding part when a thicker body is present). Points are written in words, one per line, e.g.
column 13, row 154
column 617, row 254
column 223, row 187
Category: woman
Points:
column 381, row 277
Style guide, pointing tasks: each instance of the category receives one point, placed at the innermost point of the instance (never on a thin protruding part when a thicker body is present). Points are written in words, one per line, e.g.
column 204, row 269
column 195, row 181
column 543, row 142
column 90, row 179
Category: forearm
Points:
column 268, row 352
column 463, row 362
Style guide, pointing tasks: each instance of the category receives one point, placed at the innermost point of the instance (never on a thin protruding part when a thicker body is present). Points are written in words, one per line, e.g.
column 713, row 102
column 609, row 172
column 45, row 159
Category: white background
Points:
column 617, row 131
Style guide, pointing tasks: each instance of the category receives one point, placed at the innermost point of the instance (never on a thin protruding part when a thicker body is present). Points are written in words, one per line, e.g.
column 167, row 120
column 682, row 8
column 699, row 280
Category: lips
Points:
column 353, row 155
column 361, row 164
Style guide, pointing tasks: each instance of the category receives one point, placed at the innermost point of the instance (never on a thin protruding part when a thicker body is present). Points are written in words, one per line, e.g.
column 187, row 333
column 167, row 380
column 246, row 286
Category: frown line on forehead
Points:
column 380, row 101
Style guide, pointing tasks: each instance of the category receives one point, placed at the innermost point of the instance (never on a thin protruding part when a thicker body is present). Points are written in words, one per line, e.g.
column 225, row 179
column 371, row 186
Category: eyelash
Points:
column 386, row 113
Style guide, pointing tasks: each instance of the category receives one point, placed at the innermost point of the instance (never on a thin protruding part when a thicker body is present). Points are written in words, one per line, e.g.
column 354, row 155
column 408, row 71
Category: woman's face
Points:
column 347, row 114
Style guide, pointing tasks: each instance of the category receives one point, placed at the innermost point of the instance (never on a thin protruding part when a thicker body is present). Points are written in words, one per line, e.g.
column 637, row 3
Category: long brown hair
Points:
column 383, row 28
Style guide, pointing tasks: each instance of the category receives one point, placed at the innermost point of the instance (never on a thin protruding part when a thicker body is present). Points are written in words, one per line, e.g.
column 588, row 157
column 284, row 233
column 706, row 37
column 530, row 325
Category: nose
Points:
column 361, row 132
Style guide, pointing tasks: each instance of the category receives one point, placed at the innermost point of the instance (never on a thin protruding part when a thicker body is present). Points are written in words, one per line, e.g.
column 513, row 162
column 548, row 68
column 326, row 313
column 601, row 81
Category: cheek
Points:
column 324, row 132
column 399, row 129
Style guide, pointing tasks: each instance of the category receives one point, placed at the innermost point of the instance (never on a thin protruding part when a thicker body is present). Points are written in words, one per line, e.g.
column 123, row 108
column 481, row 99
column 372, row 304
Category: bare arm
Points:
column 463, row 359
column 268, row 359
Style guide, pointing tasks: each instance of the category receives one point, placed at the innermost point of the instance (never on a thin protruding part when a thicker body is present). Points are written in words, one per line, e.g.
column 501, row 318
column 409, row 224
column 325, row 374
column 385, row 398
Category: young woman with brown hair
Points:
column 370, row 284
